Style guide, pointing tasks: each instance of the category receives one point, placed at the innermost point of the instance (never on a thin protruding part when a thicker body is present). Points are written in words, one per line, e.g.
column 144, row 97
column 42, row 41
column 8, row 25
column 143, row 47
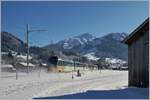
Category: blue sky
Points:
column 67, row 19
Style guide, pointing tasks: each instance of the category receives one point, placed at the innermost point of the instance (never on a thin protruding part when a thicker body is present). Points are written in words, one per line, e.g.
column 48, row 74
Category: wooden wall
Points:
column 138, row 61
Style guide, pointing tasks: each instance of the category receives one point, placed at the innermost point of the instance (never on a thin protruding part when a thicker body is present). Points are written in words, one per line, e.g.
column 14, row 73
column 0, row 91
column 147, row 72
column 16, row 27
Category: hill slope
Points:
column 10, row 42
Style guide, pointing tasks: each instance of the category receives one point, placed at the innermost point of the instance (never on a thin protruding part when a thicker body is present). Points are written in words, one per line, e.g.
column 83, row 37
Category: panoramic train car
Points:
column 60, row 65
column 65, row 65
column 69, row 65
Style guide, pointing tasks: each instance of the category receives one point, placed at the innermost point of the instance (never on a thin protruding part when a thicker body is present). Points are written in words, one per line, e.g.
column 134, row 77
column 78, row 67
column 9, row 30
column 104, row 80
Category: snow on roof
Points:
column 114, row 60
column 7, row 65
column 65, row 60
column 25, row 64
column 91, row 56
column 44, row 64
column 4, row 53
column 23, row 56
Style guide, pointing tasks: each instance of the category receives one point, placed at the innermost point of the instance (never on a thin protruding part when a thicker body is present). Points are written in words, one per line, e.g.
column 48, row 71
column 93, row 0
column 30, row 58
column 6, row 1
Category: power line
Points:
column 27, row 39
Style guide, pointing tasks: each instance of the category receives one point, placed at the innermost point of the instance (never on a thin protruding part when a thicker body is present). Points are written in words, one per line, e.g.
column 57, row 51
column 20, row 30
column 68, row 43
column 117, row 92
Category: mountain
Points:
column 86, row 44
column 73, row 42
column 110, row 46
column 11, row 43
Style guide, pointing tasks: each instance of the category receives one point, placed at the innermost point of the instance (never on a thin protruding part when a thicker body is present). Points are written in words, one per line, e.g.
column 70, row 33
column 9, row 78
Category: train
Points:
column 60, row 65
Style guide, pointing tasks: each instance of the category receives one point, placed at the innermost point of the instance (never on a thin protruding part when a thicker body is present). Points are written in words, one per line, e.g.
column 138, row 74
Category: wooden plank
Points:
column 140, row 60
column 132, row 80
column 146, row 60
column 129, row 66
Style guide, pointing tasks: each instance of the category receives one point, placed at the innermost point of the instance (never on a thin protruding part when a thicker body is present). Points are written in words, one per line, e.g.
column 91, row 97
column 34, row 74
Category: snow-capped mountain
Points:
column 108, row 46
column 86, row 44
column 85, row 38
column 73, row 42
column 76, row 41
column 116, row 36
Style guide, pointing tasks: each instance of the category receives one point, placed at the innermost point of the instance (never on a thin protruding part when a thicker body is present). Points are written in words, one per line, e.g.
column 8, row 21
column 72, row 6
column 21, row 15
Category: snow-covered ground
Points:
column 32, row 85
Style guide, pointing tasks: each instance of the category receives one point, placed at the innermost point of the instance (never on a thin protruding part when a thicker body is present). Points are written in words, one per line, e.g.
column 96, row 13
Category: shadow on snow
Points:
column 127, row 93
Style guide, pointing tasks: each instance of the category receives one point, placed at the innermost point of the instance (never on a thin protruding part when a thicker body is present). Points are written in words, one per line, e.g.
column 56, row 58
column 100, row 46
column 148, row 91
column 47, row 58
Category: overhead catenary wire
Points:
column 27, row 41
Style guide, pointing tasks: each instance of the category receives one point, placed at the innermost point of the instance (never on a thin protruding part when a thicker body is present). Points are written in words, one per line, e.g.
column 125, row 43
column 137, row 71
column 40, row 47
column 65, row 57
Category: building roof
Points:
column 24, row 57
column 137, row 32
column 7, row 65
column 25, row 64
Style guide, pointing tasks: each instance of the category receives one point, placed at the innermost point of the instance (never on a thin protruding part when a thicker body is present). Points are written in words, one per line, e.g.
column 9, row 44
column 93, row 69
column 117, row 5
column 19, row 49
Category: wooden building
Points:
column 138, row 55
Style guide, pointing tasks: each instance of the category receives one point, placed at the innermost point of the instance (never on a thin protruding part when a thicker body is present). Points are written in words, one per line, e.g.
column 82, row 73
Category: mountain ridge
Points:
column 105, row 46
column 108, row 45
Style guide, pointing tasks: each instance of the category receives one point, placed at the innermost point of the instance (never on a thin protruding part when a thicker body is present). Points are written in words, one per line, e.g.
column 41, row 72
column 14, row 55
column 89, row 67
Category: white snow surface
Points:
column 67, row 46
column 29, row 86
column 79, row 40
column 85, row 40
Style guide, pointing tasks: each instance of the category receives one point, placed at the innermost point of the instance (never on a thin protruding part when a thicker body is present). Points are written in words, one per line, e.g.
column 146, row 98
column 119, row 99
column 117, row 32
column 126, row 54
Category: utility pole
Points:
column 74, row 64
column 27, row 48
column 27, row 37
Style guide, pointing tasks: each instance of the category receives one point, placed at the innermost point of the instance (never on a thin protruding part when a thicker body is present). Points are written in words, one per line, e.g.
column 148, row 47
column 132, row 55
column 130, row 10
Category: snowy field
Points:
column 102, row 84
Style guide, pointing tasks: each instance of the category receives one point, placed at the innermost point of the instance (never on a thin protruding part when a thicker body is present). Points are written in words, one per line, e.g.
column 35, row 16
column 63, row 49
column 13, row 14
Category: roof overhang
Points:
column 137, row 32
